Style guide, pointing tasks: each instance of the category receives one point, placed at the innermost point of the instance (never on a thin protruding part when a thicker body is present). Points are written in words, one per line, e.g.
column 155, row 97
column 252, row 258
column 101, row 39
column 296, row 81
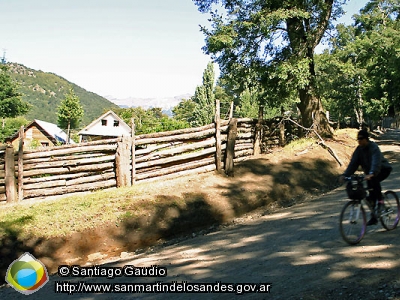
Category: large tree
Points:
column 70, row 112
column 359, row 75
column 11, row 104
column 378, row 28
column 277, row 40
column 341, row 76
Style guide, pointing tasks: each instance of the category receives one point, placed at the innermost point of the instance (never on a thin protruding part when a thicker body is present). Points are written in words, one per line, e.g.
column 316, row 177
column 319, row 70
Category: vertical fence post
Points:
column 231, row 111
column 11, row 187
column 218, row 146
column 258, row 131
column 21, row 164
column 230, row 147
column 122, row 159
column 133, row 151
column 282, row 140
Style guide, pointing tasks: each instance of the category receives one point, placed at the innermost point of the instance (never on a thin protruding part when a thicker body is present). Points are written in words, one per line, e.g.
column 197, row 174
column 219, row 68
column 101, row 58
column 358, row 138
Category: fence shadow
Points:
column 12, row 246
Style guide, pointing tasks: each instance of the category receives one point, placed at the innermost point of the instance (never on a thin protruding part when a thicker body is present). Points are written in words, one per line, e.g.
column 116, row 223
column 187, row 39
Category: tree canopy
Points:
column 275, row 40
column 70, row 112
column 11, row 104
column 204, row 99
column 358, row 77
column 150, row 120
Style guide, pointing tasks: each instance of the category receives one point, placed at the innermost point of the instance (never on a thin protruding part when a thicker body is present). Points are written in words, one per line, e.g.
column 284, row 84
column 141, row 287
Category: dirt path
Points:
column 298, row 250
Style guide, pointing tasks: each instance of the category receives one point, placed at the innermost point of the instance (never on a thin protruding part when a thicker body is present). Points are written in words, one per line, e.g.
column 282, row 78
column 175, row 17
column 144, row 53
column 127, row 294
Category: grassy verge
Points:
column 76, row 213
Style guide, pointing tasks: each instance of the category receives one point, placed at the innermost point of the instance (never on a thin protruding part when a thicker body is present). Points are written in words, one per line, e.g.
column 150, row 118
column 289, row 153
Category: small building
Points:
column 107, row 126
column 39, row 133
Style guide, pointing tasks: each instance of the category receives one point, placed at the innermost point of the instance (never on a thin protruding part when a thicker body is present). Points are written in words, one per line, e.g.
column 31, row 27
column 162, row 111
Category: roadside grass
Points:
column 350, row 132
column 63, row 216
column 306, row 143
column 299, row 145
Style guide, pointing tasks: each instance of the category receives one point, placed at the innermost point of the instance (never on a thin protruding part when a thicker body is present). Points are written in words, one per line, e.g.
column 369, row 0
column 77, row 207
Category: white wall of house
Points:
column 107, row 125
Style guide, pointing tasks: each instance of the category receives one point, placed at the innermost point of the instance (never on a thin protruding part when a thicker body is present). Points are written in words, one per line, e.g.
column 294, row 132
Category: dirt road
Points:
column 297, row 250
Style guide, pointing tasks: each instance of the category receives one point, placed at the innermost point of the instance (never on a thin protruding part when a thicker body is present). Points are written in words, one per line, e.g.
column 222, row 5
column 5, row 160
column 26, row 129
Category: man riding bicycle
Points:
column 375, row 167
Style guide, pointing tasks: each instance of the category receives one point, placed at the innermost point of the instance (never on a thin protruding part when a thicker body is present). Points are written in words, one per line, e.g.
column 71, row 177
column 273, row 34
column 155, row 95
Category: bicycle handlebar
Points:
column 352, row 177
column 359, row 177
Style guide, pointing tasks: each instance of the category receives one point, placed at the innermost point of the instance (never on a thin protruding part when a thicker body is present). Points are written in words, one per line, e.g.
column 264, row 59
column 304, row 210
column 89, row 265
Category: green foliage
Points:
column 11, row 104
column 150, row 120
column 70, row 111
column 184, row 110
column 204, row 99
column 359, row 77
column 11, row 126
column 45, row 91
column 75, row 137
column 298, row 145
column 273, row 43
column 168, row 124
column 341, row 81
column 34, row 144
column 249, row 105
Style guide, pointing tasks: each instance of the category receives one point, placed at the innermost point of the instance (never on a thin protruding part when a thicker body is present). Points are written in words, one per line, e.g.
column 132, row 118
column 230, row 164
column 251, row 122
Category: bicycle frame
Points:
column 353, row 219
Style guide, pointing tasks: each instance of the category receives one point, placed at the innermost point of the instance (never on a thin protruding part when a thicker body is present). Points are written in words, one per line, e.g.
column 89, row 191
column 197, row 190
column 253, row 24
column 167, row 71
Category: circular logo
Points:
column 27, row 274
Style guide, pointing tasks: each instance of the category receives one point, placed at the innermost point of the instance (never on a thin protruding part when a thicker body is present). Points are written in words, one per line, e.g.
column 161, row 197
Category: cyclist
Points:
column 376, row 169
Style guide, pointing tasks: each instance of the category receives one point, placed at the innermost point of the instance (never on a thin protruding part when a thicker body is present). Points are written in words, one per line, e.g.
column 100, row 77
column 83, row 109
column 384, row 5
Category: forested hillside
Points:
column 45, row 91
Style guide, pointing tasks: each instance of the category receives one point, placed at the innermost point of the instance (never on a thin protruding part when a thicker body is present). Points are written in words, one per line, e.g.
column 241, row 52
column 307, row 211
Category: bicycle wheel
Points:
column 391, row 213
column 353, row 222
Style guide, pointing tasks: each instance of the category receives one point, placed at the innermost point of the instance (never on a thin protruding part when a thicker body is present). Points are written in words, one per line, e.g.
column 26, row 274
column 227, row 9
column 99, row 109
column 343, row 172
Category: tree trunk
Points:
column 360, row 104
column 312, row 114
column 304, row 37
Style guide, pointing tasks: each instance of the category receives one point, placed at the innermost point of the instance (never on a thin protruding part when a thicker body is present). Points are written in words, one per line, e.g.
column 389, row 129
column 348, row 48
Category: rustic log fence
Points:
column 31, row 174
column 2, row 174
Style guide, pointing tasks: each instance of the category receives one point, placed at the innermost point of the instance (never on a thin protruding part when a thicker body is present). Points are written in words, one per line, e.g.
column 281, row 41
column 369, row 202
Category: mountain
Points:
column 167, row 104
column 45, row 91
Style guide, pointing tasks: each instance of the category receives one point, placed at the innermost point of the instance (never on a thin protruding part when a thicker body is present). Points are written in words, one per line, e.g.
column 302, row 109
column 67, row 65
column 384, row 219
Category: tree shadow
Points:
column 258, row 183
column 170, row 217
column 11, row 246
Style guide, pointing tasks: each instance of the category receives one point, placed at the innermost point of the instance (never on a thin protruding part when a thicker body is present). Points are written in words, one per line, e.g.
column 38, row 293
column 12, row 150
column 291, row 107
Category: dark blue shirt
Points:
column 369, row 158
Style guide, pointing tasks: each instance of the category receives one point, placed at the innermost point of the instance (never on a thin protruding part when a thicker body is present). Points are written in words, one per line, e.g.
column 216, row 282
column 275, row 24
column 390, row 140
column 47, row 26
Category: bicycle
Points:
column 353, row 221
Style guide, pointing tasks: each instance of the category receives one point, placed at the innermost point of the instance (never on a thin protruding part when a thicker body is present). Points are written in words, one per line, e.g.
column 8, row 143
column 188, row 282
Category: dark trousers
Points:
column 375, row 184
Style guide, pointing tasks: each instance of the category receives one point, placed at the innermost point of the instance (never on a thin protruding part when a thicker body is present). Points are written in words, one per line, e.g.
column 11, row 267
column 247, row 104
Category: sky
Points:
column 118, row 48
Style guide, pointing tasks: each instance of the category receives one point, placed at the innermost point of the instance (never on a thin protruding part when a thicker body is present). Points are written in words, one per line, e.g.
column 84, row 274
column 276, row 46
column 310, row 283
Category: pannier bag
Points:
column 355, row 190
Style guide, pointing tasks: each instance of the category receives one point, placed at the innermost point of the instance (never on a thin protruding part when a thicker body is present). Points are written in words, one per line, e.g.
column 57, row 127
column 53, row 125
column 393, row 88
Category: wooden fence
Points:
column 108, row 163
column 2, row 174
